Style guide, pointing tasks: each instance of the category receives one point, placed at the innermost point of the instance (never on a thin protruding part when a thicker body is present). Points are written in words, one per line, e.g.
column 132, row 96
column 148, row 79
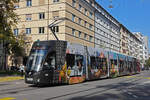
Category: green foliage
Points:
column 148, row 62
column 13, row 45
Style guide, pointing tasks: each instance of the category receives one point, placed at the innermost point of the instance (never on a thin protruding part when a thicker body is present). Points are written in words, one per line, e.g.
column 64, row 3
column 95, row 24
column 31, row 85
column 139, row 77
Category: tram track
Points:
column 126, row 81
column 17, row 90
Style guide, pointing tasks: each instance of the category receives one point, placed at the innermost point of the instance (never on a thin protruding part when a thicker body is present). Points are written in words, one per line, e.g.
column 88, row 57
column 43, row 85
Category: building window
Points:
column 29, row 3
column 55, row 17
column 90, row 38
column 90, row 27
column 56, row 29
column 16, row 32
column 91, row 14
column 55, row 1
column 73, row 17
column 41, row 15
column 73, row 32
column 16, row 5
column 80, row 7
column 28, row 17
column 85, row 23
column 41, row 29
column 55, row 14
column 85, row 12
column 85, row 36
column 91, row 3
column 73, row 3
column 79, row 34
column 41, row 2
column 79, row 20
column 28, row 30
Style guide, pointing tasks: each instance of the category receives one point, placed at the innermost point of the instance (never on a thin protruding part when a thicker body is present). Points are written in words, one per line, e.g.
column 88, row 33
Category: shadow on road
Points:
column 126, row 90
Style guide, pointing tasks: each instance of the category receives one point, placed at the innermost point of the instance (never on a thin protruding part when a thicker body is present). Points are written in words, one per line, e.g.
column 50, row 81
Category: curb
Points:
column 10, row 78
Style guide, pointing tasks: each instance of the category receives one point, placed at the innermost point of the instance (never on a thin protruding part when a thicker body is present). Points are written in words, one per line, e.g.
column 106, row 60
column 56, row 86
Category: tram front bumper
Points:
column 32, row 79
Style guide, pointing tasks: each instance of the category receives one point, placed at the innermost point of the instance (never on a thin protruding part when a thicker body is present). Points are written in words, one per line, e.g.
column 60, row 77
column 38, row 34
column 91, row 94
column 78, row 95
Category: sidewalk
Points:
column 10, row 78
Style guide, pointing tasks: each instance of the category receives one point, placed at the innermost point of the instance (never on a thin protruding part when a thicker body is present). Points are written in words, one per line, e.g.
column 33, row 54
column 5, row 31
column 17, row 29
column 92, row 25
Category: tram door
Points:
column 49, row 66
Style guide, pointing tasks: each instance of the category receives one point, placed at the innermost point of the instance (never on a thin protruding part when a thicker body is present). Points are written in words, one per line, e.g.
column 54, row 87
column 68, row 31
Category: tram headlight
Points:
column 38, row 80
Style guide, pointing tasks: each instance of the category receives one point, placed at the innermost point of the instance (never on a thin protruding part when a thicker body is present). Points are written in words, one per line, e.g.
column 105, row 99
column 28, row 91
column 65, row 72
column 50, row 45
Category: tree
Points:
column 12, row 45
column 147, row 63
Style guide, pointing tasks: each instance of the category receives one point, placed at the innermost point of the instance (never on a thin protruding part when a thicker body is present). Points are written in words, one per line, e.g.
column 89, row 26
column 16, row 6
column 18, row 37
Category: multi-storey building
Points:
column 124, row 39
column 146, row 47
column 36, row 15
column 82, row 21
column 76, row 24
column 107, row 30
column 143, row 55
column 140, row 37
column 133, row 45
column 85, row 22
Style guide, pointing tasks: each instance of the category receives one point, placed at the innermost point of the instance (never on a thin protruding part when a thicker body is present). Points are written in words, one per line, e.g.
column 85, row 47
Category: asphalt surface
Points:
column 136, row 87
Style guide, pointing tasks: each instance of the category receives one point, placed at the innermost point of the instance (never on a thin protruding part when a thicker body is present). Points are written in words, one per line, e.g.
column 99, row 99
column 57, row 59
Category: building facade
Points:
column 107, row 30
column 36, row 15
column 84, row 22
column 144, row 49
column 133, row 45
column 124, row 32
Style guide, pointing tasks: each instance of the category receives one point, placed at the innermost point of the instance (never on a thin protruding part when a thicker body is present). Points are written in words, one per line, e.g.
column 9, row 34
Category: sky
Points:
column 133, row 14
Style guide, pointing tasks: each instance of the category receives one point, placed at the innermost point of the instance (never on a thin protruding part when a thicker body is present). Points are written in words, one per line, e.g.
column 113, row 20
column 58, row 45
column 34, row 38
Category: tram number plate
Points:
column 29, row 79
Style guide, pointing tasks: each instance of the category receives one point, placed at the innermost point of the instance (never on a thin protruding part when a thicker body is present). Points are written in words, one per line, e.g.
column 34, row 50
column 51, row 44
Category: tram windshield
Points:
column 35, row 59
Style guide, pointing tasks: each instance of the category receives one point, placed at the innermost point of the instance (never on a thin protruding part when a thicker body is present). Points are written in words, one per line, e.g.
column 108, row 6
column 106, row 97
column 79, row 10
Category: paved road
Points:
column 136, row 87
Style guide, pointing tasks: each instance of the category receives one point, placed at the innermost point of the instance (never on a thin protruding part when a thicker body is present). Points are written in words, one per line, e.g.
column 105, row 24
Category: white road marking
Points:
column 18, row 83
column 129, row 93
column 135, row 96
column 146, row 82
column 125, row 91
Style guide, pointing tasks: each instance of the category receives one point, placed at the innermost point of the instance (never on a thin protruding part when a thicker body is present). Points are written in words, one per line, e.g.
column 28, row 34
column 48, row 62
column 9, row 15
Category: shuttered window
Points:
column 41, row 2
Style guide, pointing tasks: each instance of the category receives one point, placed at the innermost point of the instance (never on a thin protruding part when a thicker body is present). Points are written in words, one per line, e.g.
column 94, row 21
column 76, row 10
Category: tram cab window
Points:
column 70, row 59
column 50, row 61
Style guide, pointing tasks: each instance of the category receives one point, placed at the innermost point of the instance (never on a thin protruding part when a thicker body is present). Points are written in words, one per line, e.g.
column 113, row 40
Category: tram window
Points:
column 79, row 61
column 93, row 62
column 101, row 62
column 115, row 62
column 50, row 61
column 70, row 59
column 98, row 62
column 104, row 62
column 121, row 63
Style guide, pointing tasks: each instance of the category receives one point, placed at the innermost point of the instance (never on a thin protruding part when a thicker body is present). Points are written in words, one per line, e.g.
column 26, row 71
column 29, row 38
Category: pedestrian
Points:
column 22, row 69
